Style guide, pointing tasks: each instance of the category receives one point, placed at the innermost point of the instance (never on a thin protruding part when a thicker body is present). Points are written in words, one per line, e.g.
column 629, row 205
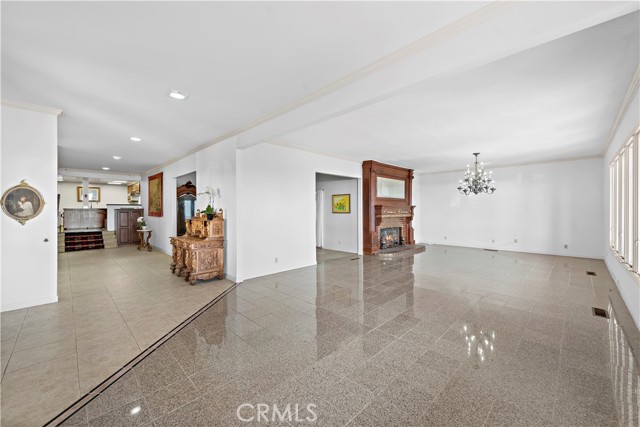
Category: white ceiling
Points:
column 555, row 101
column 357, row 79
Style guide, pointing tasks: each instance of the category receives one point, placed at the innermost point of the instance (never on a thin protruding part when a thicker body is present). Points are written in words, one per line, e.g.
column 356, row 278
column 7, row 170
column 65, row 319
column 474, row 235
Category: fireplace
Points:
column 390, row 237
column 386, row 202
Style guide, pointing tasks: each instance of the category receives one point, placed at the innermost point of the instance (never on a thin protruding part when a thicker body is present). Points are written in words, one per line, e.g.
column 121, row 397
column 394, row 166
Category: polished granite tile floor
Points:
column 449, row 337
column 113, row 303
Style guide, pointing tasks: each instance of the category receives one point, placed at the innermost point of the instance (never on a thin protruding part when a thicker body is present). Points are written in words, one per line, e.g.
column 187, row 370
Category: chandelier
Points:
column 476, row 181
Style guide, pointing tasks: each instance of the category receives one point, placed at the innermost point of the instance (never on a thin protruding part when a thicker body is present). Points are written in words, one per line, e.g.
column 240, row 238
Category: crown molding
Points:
column 449, row 31
column 510, row 165
column 32, row 107
column 632, row 89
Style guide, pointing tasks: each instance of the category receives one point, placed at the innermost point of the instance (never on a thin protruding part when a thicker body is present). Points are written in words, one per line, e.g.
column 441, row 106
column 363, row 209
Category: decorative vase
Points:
column 144, row 227
column 209, row 216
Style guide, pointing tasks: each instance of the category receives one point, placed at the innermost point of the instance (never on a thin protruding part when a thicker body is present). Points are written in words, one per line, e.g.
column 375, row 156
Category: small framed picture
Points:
column 341, row 203
column 93, row 194
column 22, row 202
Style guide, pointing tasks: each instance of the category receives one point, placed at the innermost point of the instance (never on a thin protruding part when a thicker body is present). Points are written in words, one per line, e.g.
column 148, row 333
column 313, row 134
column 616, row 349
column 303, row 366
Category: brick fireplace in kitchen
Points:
column 387, row 208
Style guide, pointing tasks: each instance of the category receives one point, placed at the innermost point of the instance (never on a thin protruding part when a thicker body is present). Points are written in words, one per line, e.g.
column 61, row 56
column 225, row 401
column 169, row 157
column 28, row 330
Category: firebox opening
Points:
column 390, row 237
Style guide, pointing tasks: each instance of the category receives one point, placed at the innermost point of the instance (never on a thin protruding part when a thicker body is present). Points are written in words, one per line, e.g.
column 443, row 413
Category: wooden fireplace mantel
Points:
column 381, row 212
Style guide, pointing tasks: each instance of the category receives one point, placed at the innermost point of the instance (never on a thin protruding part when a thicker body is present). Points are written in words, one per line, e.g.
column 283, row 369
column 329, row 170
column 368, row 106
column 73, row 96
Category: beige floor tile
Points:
column 97, row 364
column 95, row 289
column 50, row 375
column 6, row 346
column 19, row 409
column 33, row 356
column 100, row 323
column 32, row 326
column 4, row 359
column 13, row 317
column 58, row 308
column 120, row 334
column 38, row 339
column 10, row 332
column 144, row 314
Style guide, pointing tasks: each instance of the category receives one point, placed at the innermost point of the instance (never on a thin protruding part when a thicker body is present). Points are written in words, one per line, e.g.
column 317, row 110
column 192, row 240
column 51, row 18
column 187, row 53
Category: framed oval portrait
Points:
column 22, row 202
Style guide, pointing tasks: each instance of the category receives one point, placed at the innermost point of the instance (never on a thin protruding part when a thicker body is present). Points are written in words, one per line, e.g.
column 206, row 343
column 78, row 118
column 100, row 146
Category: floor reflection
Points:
column 449, row 337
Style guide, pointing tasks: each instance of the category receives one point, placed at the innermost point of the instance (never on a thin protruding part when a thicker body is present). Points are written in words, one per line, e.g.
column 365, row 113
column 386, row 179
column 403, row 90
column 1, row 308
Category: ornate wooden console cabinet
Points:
column 199, row 254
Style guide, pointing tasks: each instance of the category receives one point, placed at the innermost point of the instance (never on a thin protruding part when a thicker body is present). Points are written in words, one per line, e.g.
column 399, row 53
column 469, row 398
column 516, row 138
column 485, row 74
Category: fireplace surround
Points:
column 386, row 204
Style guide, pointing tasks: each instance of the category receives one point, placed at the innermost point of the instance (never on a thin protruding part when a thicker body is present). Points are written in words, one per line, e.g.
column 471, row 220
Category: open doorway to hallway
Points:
column 337, row 215
column 186, row 201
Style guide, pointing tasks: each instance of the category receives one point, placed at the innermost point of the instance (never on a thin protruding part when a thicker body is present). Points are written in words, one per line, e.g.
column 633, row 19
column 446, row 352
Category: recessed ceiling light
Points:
column 117, row 157
column 135, row 139
column 176, row 94
column 117, row 182
column 104, row 168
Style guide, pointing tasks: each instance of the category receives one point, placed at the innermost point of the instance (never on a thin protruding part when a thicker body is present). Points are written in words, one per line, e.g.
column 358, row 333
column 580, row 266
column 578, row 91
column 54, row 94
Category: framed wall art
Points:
column 93, row 194
column 341, row 203
column 22, row 202
column 155, row 195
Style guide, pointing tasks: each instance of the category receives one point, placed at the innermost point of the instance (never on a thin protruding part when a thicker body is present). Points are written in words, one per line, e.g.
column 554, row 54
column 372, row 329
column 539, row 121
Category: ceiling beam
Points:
column 79, row 173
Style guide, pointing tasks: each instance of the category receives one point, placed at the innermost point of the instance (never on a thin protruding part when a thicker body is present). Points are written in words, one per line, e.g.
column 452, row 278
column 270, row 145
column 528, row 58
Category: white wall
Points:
column 340, row 231
column 627, row 285
column 417, row 202
column 165, row 226
column 29, row 264
column 276, row 206
column 214, row 166
column 543, row 206
column 267, row 193
column 109, row 194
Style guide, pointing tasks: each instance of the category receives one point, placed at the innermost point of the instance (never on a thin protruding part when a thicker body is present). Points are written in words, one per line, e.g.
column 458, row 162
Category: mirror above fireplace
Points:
column 389, row 188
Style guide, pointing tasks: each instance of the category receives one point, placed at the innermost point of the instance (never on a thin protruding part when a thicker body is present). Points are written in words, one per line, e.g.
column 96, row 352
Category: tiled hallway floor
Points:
column 450, row 337
column 113, row 303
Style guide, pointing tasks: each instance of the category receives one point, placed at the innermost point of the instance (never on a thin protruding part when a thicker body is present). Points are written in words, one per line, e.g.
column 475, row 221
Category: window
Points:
column 624, row 197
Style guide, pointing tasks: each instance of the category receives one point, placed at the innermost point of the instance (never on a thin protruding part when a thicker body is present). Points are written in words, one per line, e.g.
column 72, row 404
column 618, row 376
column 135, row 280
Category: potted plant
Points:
column 209, row 212
column 141, row 223
column 211, row 193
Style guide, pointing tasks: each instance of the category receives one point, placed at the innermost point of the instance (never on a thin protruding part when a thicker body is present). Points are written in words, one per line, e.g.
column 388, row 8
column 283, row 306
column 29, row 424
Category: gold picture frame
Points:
column 341, row 203
column 22, row 202
column 155, row 194
column 93, row 194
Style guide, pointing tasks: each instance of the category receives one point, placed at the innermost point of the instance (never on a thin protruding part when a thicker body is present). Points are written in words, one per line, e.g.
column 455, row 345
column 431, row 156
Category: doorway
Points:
column 186, row 201
column 337, row 226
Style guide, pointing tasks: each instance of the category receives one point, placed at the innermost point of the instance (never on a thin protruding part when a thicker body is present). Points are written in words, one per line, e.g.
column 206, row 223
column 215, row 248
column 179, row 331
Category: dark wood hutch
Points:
column 382, row 209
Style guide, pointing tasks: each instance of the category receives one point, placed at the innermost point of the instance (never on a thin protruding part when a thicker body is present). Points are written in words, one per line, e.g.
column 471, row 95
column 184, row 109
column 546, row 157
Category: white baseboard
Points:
column 504, row 248
column 28, row 303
